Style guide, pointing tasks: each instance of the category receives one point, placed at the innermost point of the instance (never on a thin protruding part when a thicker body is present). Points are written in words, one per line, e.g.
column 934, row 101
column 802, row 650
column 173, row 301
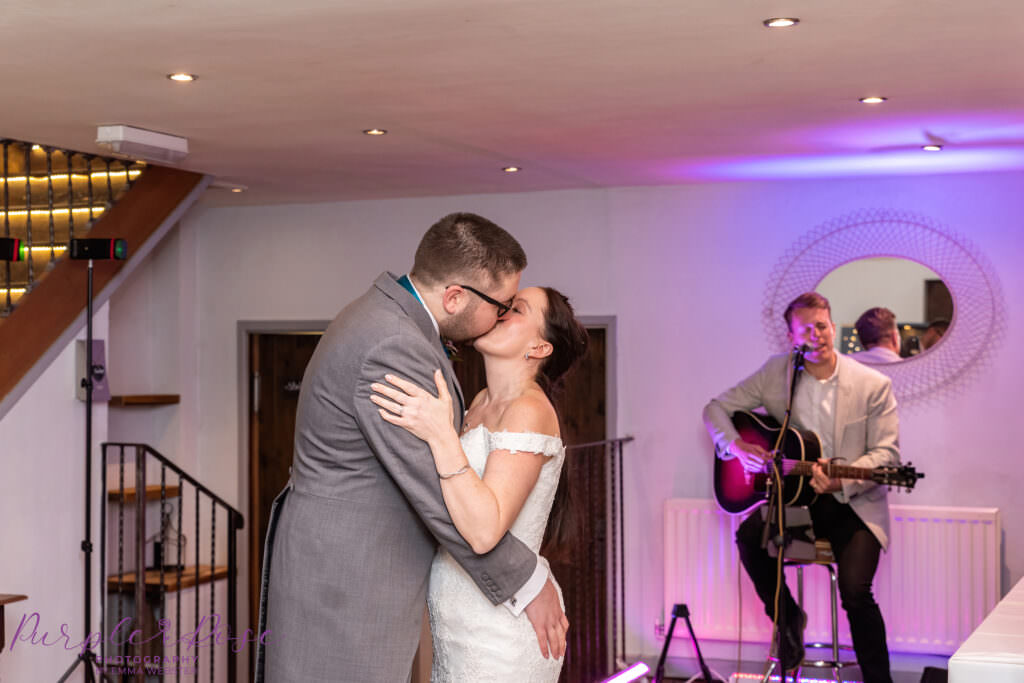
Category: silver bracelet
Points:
column 461, row 470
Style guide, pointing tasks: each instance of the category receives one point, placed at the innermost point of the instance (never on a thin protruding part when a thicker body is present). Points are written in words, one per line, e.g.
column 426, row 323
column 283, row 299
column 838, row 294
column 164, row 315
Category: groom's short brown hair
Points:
column 461, row 245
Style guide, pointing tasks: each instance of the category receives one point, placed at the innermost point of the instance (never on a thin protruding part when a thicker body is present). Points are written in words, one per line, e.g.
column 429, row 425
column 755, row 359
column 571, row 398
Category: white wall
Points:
column 682, row 268
column 42, row 489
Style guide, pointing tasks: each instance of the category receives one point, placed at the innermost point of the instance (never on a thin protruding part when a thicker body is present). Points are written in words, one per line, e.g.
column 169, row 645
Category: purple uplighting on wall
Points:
column 896, row 162
column 871, row 146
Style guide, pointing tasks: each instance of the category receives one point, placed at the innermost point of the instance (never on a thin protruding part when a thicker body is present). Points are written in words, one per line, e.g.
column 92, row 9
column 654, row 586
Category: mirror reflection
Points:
column 870, row 296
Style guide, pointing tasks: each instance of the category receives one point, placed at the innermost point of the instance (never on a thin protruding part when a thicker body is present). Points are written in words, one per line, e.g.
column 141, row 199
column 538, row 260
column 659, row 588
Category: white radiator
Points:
column 935, row 585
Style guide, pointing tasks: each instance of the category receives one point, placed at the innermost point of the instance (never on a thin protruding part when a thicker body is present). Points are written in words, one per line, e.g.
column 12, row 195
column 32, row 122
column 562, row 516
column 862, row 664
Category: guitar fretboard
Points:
column 802, row 468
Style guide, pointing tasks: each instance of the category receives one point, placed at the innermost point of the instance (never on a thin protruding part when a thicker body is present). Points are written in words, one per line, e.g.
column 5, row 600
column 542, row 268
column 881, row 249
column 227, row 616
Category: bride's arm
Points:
column 482, row 509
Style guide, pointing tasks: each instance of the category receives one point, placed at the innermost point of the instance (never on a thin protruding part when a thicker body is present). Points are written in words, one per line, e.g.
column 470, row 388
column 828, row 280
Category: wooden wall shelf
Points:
column 152, row 493
column 144, row 400
column 207, row 573
column 6, row 599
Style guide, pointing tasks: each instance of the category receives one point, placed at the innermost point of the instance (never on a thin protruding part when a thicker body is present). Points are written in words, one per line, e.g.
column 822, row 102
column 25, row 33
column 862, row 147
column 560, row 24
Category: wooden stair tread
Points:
column 207, row 574
column 152, row 493
column 121, row 401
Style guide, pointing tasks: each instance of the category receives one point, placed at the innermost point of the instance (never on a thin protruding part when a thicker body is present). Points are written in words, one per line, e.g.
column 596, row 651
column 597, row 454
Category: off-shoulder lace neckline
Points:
column 505, row 431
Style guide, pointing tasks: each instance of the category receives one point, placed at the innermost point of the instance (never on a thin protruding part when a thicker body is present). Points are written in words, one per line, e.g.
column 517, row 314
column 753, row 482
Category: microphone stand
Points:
column 776, row 508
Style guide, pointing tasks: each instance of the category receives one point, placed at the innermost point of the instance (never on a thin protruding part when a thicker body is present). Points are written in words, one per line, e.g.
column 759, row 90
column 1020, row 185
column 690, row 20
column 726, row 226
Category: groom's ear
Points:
column 453, row 299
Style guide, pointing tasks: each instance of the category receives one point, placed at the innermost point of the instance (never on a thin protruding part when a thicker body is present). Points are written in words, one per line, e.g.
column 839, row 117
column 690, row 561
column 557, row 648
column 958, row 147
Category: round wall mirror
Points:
column 916, row 295
column 889, row 245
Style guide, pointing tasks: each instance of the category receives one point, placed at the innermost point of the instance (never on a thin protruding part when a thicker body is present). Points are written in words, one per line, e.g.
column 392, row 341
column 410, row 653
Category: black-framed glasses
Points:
column 502, row 308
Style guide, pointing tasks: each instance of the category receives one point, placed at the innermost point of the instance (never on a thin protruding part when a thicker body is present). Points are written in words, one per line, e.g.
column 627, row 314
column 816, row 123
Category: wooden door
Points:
column 277, row 363
column 279, row 360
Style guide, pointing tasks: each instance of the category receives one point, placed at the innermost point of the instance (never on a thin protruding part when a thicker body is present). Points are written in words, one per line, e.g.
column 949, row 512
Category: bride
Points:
column 500, row 476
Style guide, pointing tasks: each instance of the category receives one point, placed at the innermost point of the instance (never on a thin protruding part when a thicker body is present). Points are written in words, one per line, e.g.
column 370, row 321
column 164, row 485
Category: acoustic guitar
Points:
column 737, row 490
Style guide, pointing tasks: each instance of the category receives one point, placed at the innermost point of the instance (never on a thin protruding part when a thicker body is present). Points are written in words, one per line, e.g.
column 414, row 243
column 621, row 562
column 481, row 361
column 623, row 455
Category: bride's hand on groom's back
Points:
column 405, row 404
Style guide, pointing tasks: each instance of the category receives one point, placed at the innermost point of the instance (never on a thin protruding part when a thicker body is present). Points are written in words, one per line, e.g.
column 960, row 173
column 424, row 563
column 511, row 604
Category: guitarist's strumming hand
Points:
column 752, row 456
column 820, row 482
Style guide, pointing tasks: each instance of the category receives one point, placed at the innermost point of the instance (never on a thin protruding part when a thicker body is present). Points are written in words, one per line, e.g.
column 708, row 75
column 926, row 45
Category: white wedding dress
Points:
column 474, row 640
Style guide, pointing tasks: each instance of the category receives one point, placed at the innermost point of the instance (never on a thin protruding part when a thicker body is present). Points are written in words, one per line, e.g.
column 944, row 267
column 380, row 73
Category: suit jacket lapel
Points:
column 388, row 284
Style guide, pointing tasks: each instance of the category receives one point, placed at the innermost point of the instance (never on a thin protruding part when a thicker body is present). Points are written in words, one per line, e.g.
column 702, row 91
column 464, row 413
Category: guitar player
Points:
column 852, row 409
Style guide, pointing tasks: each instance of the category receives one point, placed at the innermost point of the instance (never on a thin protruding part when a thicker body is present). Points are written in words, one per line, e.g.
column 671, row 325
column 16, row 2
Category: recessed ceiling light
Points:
column 512, row 169
column 932, row 148
column 182, row 77
column 781, row 22
column 873, row 99
column 237, row 189
column 375, row 131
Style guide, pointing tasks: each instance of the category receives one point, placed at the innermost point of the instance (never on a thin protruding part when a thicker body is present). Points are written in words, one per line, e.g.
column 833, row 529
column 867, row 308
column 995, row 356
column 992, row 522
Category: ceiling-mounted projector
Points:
column 140, row 143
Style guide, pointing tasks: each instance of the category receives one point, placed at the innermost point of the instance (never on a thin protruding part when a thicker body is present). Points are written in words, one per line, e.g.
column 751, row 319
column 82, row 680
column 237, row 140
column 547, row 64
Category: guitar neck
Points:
column 802, row 468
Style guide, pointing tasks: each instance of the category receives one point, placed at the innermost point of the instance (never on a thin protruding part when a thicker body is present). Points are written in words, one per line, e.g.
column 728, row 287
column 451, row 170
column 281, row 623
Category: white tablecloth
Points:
column 994, row 653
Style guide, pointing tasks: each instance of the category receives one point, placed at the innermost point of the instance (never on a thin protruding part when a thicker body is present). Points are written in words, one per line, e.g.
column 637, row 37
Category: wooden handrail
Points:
column 43, row 314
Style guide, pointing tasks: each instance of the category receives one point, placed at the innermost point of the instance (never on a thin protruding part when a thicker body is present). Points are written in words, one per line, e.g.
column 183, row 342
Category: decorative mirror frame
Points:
column 978, row 324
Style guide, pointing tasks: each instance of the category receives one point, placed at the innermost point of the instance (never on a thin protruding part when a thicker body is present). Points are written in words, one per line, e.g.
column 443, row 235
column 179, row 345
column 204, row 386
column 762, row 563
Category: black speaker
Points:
column 932, row 674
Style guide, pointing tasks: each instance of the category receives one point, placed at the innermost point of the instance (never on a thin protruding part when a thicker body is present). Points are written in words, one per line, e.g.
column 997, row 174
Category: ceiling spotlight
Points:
column 781, row 22
column 237, row 189
column 872, row 99
column 932, row 148
column 182, row 77
column 375, row 131
column 512, row 169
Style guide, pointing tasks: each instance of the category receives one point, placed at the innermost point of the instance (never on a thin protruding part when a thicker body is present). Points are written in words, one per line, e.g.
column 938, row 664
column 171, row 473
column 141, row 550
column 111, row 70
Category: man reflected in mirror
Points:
column 879, row 336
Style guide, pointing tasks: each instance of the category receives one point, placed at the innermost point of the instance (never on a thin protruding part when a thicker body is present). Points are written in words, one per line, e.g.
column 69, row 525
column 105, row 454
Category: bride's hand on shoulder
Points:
column 417, row 410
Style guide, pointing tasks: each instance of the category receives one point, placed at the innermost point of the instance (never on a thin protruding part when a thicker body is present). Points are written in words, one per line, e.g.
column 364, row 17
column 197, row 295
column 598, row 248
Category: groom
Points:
column 352, row 536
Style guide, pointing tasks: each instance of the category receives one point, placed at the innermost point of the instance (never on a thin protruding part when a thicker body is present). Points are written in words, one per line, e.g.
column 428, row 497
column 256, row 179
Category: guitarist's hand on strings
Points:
column 820, row 481
column 752, row 456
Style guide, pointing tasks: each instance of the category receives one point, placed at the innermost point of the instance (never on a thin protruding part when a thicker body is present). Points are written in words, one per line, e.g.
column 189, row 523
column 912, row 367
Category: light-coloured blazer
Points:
column 350, row 542
column 866, row 426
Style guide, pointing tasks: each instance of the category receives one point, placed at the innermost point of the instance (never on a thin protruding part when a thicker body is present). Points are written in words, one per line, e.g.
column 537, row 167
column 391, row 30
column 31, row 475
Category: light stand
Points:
column 683, row 611
column 90, row 249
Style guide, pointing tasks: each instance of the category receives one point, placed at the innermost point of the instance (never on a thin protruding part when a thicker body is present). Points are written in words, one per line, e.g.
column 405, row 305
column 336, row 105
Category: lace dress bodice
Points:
column 475, row 640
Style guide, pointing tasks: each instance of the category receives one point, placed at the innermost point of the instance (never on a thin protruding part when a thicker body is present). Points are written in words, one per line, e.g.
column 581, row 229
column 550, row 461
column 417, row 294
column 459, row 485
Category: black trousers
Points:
column 856, row 550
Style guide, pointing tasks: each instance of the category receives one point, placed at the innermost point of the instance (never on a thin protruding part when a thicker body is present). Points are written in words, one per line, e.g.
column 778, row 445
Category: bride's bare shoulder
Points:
column 531, row 412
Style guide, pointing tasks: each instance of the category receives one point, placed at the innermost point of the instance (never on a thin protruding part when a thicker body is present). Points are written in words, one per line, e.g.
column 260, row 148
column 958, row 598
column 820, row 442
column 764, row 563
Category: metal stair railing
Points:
column 171, row 570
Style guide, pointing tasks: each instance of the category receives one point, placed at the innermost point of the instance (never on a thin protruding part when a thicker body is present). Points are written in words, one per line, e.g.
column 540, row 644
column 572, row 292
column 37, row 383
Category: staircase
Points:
column 48, row 197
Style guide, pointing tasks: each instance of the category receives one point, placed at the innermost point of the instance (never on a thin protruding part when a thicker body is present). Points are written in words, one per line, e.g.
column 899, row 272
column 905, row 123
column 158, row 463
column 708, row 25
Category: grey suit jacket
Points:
column 866, row 426
column 350, row 545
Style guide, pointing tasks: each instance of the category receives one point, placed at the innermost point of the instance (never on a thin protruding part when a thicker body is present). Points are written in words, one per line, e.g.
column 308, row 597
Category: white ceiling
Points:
column 580, row 93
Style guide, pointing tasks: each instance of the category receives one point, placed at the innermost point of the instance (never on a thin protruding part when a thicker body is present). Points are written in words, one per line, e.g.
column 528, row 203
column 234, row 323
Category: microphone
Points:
column 98, row 249
column 798, row 355
column 11, row 249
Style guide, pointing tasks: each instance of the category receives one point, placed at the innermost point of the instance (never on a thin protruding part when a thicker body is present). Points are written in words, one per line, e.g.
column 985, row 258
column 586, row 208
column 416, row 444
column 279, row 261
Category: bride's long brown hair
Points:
column 568, row 338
